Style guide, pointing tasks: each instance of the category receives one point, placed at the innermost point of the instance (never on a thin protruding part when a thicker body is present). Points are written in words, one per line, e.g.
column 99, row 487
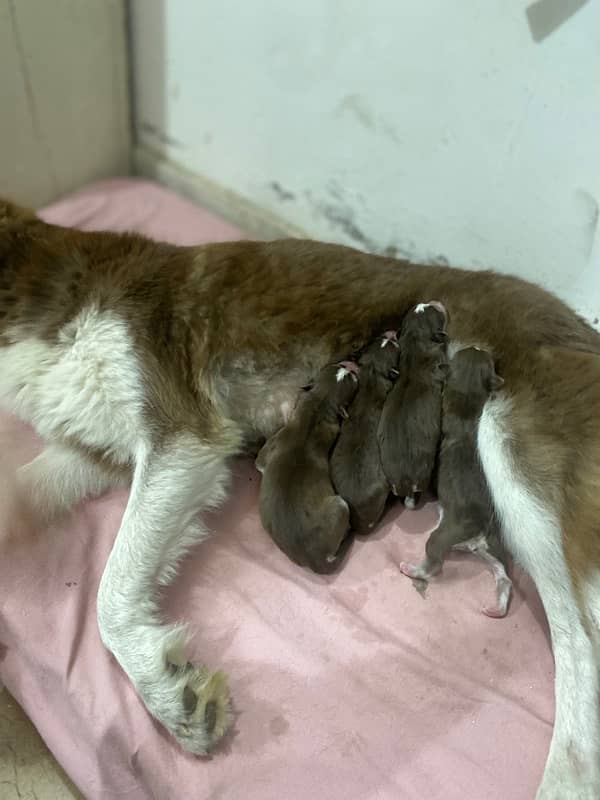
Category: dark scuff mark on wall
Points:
column 357, row 106
column 343, row 196
column 282, row 193
column 342, row 217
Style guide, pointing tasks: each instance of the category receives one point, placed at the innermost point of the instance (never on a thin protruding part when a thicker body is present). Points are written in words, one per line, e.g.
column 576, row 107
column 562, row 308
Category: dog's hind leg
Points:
column 61, row 476
column 172, row 482
column 533, row 531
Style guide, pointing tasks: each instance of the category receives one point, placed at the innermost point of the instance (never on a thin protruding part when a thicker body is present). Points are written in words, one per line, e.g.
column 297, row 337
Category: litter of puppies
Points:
column 399, row 421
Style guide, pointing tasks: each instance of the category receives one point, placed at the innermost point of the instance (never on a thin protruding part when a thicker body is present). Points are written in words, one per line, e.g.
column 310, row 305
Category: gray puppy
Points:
column 468, row 521
column 355, row 465
column 409, row 429
column 298, row 504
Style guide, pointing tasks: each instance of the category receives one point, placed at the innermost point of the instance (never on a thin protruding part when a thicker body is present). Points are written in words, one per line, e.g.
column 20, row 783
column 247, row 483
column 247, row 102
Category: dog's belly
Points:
column 261, row 401
column 84, row 387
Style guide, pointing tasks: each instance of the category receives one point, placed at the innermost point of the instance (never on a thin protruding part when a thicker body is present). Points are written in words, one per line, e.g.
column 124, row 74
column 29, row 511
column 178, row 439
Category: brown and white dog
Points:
column 137, row 358
column 468, row 521
column 298, row 504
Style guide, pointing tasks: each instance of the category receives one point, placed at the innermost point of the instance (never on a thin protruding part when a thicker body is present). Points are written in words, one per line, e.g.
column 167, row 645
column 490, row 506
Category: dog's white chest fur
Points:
column 85, row 386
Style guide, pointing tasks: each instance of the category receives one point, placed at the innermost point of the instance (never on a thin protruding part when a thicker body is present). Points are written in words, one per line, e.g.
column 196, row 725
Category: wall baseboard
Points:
column 256, row 221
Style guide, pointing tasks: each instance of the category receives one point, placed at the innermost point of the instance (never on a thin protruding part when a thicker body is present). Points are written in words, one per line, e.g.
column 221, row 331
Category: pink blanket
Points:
column 351, row 686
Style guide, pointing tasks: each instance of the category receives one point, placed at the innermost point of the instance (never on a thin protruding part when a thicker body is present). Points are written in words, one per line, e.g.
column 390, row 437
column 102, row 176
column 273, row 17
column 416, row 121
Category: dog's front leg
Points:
column 171, row 483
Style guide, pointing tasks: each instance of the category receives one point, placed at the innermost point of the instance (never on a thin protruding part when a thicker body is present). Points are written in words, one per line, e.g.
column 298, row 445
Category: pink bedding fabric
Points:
column 351, row 686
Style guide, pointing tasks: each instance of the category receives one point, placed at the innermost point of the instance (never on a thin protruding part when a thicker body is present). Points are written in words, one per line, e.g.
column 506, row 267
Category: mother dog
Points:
column 153, row 363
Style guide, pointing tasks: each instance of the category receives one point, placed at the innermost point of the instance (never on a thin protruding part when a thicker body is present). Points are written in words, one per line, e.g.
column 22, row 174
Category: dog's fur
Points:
column 410, row 425
column 130, row 356
column 468, row 520
column 355, row 464
column 298, row 505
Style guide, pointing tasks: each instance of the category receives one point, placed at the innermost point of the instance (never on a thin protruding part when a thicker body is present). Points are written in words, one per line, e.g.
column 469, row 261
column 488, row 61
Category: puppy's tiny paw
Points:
column 412, row 570
column 496, row 612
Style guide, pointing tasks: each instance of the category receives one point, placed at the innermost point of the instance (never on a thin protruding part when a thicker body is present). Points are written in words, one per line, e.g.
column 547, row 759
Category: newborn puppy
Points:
column 468, row 521
column 298, row 505
column 355, row 464
column 409, row 429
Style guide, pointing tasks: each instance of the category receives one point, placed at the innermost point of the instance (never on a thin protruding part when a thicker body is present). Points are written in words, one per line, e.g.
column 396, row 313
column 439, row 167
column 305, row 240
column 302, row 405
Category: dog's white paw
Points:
column 195, row 707
column 205, row 713
column 190, row 701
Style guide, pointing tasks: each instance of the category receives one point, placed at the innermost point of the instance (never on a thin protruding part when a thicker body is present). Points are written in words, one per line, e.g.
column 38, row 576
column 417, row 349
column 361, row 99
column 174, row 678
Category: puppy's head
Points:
column 338, row 383
column 427, row 321
column 473, row 373
column 382, row 354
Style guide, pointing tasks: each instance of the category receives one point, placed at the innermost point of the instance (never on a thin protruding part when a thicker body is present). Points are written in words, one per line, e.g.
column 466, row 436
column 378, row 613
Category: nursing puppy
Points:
column 409, row 429
column 298, row 505
column 468, row 520
column 355, row 464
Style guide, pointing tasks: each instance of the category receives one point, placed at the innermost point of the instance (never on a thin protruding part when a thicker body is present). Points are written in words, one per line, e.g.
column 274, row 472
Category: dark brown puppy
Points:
column 298, row 505
column 355, row 464
column 468, row 521
column 410, row 425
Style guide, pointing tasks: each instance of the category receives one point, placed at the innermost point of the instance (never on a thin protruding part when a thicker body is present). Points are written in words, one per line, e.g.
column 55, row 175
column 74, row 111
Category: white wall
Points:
column 432, row 129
